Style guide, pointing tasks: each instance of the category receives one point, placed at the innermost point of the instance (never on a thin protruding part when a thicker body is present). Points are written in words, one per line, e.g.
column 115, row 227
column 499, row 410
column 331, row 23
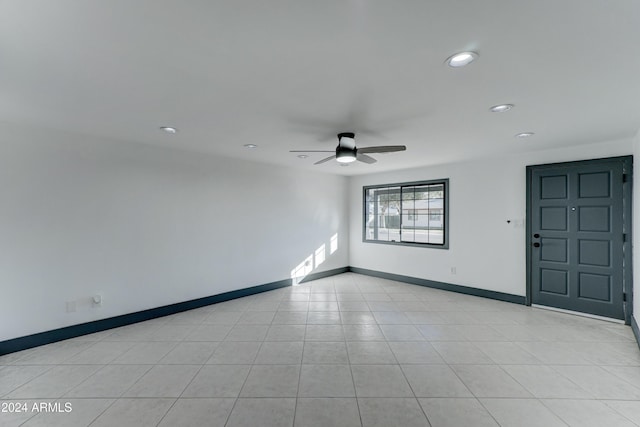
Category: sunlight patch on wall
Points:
column 312, row 262
column 302, row 269
column 320, row 255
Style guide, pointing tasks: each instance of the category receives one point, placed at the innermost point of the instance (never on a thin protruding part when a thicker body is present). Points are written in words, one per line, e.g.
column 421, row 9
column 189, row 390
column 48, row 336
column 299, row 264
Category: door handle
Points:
column 536, row 245
column 536, row 236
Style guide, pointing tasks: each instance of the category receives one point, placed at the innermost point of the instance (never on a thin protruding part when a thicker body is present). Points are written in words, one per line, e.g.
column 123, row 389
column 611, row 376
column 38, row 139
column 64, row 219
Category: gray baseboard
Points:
column 73, row 331
column 47, row 337
column 55, row 335
column 500, row 296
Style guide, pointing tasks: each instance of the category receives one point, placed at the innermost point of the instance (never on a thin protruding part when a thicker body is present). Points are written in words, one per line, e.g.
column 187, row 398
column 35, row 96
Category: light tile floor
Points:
column 348, row 350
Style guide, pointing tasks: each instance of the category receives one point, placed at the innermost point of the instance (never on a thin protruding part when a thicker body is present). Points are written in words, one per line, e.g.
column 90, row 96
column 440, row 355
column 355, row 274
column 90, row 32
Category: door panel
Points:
column 554, row 281
column 553, row 218
column 594, row 184
column 594, row 218
column 577, row 235
column 594, row 286
column 553, row 249
column 594, row 253
column 553, row 187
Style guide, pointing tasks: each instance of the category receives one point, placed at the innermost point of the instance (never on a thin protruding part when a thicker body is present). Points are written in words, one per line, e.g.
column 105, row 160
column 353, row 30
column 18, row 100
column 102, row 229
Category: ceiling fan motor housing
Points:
column 346, row 150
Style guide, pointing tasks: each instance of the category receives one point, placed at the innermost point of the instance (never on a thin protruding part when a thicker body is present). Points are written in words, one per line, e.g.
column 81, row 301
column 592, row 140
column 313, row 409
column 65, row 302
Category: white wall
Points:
column 488, row 253
column 147, row 226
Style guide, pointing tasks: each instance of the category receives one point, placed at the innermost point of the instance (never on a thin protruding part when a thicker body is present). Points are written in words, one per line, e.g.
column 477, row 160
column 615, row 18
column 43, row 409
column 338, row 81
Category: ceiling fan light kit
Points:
column 345, row 155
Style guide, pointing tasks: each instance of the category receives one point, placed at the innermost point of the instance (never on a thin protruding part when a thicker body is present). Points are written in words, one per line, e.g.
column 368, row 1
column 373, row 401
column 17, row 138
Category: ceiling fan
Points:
column 346, row 151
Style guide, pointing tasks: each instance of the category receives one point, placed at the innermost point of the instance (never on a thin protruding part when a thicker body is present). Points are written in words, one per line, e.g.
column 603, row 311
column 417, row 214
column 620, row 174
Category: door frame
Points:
column 627, row 219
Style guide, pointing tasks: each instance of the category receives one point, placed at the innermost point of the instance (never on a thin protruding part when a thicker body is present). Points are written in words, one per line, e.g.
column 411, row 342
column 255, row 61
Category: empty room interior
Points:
column 337, row 213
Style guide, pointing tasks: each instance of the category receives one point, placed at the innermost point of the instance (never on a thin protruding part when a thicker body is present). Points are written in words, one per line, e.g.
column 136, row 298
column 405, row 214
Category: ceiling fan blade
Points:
column 312, row 151
column 325, row 160
column 365, row 159
column 382, row 149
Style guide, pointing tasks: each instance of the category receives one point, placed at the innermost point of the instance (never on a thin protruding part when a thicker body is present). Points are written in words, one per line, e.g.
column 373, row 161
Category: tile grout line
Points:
column 353, row 380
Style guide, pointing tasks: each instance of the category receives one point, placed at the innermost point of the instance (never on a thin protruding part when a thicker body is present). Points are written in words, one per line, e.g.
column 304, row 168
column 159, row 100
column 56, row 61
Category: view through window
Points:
column 413, row 213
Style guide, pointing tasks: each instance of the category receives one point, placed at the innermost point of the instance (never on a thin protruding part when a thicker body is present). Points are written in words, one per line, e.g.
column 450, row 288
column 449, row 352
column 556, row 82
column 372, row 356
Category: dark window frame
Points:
column 397, row 187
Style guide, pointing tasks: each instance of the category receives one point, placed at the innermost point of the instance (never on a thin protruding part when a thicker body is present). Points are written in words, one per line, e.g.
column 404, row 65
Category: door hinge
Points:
column 624, row 177
column 624, row 297
column 624, row 237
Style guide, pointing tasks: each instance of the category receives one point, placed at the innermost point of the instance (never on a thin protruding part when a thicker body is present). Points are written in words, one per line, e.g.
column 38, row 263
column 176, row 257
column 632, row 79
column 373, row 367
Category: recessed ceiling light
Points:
column 250, row 146
column 302, row 156
column 461, row 59
column 524, row 134
column 501, row 108
column 168, row 129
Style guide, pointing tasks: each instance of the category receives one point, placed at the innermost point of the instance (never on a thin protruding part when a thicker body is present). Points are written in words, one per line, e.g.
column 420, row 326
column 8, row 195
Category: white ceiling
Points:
column 289, row 75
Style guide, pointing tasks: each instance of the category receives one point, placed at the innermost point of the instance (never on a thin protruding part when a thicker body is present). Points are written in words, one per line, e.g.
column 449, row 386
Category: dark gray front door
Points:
column 577, row 236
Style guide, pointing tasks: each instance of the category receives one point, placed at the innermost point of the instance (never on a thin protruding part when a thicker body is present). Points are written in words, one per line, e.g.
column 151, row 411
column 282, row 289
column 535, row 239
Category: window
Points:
column 412, row 213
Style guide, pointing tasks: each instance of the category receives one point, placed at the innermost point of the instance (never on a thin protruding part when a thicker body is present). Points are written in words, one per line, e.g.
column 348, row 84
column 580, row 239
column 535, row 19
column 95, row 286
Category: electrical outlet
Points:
column 453, row 270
